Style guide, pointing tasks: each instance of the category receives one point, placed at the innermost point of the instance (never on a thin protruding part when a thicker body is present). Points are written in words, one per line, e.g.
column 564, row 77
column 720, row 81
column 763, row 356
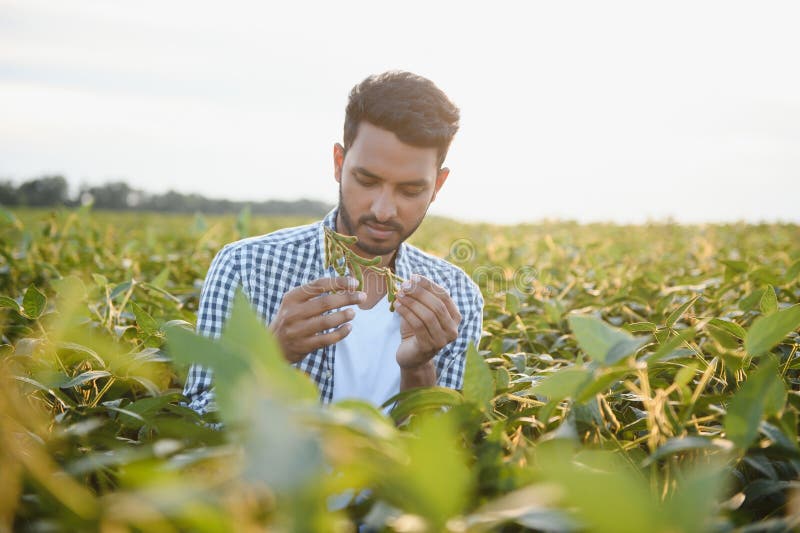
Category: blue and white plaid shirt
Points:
column 268, row 266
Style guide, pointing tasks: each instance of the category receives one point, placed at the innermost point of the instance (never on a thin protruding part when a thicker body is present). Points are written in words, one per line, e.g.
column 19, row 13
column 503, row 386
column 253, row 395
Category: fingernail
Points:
column 362, row 296
column 406, row 285
column 350, row 314
column 352, row 283
column 415, row 277
column 397, row 304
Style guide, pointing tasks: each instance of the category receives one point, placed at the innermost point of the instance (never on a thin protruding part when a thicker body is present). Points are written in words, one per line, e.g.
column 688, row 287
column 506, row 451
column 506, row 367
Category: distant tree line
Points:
column 49, row 191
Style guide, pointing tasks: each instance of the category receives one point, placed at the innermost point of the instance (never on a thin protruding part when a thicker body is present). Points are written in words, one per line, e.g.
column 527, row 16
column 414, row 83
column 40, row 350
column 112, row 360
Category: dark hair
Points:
column 410, row 106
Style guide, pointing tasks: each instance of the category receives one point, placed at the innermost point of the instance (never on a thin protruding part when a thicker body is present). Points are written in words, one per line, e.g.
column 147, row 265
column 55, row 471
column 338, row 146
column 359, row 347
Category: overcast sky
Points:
column 575, row 110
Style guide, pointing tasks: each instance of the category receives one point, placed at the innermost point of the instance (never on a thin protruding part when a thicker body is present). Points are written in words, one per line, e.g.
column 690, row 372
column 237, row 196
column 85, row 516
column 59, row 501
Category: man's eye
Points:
column 416, row 191
column 365, row 183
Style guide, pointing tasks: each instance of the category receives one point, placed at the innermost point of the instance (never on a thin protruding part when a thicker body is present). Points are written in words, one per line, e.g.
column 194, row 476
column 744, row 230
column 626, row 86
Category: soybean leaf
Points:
column 478, row 381
column 677, row 313
column 512, row 303
column 636, row 327
column 605, row 344
column 767, row 331
column 10, row 303
column 33, row 303
column 696, row 497
column 80, row 379
column 599, row 383
column 670, row 346
column 763, row 394
column 119, row 289
column 562, row 383
column 422, row 399
column 792, row 272
column 246, row 334
column 769, row 301
column 731, row 327
column 146, row 322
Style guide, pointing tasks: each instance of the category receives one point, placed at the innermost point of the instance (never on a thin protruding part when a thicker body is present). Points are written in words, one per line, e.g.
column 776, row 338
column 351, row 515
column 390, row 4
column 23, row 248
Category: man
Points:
column 398, row 128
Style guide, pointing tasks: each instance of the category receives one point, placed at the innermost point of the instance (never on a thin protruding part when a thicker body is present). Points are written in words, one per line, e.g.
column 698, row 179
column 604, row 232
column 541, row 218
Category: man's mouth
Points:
column 379, row 231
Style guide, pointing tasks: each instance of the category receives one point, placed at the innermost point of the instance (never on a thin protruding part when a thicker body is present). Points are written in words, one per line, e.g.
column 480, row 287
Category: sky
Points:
column 587, row 111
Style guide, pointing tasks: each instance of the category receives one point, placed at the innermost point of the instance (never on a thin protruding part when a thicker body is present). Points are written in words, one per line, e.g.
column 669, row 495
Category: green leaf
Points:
column 723, row 337
column 33, row 303
column 769, row 301
column 246, row 334
column 70, row 287
column 749, row 302
column 146, row 322
column 10, row 303
column 512, row 303
column 417, row 400
column 562, row 383
column 478, row 382
column 731, row 327
column 735, row 265
column 762, row 395
column 435, row 482
column 605, row 344
column 80, row 379
column 768, row 331
column 119, row 289
column 599, row 383
column 792, row 272
column 7, row 217
column 695, row 500
column 671, row 345
column 637, row 327
column 677, row 313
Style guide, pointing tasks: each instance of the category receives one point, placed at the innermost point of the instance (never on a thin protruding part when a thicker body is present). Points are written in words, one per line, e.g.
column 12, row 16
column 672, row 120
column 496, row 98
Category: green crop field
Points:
column 629, row 379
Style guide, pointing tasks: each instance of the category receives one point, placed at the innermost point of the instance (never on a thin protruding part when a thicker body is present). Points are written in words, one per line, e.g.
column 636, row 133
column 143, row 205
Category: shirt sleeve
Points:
column 216, row 300
column 451, row 361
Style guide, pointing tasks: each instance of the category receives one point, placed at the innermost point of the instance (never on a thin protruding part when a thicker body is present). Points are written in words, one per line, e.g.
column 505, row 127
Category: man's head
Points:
column 398, row 128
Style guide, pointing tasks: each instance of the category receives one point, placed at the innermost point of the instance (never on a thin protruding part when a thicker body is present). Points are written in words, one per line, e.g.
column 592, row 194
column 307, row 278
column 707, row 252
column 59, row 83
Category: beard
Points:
column 374, row 249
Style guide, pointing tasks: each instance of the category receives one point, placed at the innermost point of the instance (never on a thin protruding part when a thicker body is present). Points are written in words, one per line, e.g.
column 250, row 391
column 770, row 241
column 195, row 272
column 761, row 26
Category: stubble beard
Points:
column 350, row 227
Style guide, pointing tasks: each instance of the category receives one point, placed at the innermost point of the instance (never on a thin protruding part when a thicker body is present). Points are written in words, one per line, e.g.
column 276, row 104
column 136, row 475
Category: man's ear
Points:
column 441, row 177
column 338, row 161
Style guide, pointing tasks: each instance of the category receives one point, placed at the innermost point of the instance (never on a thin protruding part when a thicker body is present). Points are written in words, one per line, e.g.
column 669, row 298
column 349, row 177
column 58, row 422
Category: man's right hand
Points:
column 300, row 321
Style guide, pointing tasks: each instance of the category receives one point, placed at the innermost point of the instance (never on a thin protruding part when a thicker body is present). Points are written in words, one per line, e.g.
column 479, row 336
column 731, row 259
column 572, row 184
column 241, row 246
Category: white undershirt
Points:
column 365, row 366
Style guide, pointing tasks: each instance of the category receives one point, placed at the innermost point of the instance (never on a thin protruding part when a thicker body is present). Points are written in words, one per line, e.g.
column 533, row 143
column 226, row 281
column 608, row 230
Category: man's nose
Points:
column 383, row 208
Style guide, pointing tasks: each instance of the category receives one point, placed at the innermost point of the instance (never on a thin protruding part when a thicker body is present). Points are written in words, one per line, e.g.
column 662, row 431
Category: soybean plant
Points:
column 339, row 256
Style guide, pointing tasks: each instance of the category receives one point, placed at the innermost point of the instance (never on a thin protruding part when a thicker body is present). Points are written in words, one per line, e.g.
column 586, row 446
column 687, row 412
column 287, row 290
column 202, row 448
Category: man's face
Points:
column 385, row 188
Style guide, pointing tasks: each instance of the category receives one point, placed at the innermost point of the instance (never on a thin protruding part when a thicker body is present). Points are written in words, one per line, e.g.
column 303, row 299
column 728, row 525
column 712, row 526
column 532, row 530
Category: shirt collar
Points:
column 401, row 266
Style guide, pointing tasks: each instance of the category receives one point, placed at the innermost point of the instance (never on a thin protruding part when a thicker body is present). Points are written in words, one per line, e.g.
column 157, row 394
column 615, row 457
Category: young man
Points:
column 398, row 128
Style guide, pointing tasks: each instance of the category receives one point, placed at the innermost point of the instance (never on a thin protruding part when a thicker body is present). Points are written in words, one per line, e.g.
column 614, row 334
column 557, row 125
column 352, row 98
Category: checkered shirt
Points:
column 268, row 266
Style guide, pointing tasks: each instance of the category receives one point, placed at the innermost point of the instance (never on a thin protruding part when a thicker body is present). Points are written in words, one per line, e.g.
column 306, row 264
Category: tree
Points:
column 44, row 191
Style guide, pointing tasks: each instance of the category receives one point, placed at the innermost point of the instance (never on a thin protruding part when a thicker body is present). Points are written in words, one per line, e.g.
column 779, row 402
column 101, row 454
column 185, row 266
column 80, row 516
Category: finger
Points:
column 326, row 302
column 439, row 311
column 426, row 325
column 319, row 286
column 417, row 281
column 326, row 339
column 318, row 324
column 416, row 324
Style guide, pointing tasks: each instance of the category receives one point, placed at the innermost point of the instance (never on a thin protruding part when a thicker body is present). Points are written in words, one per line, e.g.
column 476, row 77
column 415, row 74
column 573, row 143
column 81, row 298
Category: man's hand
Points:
column 299, row 323
column 430, row 321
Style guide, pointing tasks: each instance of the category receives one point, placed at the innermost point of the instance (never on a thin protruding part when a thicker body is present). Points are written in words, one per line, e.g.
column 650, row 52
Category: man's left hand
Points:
column 429, row 321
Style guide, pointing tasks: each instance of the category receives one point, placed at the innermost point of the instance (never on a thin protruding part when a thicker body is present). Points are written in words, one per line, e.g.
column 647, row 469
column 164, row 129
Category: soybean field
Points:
column 629, row 379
